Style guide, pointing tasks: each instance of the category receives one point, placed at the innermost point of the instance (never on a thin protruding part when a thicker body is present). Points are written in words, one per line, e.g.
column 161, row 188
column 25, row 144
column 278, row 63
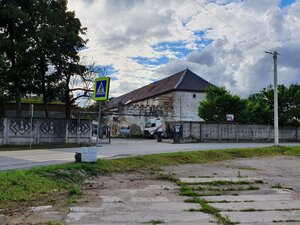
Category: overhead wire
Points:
column 239, row 32
column 229, row 25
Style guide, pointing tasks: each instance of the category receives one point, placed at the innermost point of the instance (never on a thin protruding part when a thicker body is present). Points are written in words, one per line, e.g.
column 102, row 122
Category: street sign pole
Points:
column 101, row 91
column 99, row 124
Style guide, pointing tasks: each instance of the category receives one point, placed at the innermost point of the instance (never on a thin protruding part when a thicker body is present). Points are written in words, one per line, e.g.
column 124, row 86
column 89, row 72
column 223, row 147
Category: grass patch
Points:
column 206, row 208
column 154, row 222
column 251, row 210
column 53, row 183
column 224, row 182
column 245, row 168
column 53, row 223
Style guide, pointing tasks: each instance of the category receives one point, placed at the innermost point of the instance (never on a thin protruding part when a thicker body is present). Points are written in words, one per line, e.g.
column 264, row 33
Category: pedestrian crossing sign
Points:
column 101, row 89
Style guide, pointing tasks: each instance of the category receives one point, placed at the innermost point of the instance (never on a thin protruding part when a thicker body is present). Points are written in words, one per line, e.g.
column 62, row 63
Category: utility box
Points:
column 89, row 154
column 177, row 133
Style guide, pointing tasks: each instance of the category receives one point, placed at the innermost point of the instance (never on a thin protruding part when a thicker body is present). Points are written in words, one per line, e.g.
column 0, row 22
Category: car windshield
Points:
column 148, row 125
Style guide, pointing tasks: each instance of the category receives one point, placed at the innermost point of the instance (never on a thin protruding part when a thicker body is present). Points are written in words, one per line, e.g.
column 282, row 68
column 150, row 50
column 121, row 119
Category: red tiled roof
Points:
column 184, row 80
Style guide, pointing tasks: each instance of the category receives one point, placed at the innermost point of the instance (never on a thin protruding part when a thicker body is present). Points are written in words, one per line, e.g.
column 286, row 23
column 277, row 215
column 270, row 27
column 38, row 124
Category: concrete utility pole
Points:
column 276, row 133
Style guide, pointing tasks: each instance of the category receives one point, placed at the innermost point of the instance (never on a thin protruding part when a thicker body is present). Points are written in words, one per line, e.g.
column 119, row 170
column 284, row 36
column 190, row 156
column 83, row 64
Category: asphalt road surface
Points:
column 118, row 148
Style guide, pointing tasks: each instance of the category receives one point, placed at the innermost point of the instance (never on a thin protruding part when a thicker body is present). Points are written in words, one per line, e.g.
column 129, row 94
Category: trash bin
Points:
column 89, row 154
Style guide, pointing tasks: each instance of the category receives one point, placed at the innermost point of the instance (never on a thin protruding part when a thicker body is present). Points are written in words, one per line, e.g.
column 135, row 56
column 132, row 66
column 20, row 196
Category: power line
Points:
column 243, row 34
column 229, row 25
column 289, row 57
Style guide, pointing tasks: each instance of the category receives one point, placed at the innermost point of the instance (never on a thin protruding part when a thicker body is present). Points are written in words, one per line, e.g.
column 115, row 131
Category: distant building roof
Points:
column 184, row 80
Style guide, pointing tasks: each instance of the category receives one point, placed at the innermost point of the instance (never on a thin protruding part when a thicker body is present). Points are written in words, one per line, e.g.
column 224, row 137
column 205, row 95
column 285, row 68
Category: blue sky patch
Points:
column 285, row 3
column 108, row 70
column 151, row 61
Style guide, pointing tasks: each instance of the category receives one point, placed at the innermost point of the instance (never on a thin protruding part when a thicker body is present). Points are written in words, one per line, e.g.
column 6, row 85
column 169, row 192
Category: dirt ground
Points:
column 257, row 191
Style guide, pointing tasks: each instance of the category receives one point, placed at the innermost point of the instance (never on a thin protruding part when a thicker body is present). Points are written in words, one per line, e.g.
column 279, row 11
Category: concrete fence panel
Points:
column 51, row 130
column 245, row 132
column 288, row 133
column 227, row 131
column 261, row 132
column 195, row 131
column 201, row 131
column 210, row 131
column 19, row 131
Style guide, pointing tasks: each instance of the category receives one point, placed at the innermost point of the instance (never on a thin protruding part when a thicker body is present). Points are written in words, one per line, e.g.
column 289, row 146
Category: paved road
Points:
column 118, row 148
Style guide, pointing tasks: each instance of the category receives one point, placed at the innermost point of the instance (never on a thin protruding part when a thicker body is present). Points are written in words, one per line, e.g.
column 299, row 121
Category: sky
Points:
column 138, row 42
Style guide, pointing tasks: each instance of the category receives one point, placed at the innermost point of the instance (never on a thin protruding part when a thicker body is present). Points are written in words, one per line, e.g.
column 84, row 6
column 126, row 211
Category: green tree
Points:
column 16, row 48
column 36, row 35
column 257, row 108
column 288, row 104
column 218, row 103
column 66, row 59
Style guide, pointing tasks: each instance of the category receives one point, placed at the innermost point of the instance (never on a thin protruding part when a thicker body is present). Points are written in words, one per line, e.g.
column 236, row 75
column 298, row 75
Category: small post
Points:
column 78, row 128
column 237, row 132
column 99, row 124
column 253, row 132
column 5, row 131
column 180, row 109
column 31, row 124
column 200, row 130
column 219, row 132
column 67, row 131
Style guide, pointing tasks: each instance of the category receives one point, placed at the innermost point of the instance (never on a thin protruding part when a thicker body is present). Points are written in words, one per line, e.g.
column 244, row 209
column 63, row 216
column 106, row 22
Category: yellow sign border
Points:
column 107, row 79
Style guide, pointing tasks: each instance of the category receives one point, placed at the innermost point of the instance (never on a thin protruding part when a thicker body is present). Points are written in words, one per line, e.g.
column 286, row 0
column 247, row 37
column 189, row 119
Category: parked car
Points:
column 125, row 130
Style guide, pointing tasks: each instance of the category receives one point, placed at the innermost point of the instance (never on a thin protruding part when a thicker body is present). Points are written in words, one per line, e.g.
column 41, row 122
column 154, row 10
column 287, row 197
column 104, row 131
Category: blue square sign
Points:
column 101, row 88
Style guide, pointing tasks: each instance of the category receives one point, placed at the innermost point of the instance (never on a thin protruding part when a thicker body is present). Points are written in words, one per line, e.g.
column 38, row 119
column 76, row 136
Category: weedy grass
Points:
column 60, row 182
column 154, row 222
column 206, row 208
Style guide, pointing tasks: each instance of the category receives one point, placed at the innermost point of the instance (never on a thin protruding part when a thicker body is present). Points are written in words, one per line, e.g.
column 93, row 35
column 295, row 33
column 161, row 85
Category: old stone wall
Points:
column 175, row 106
column 200, row 131
column 19, row 131
column 185, row 106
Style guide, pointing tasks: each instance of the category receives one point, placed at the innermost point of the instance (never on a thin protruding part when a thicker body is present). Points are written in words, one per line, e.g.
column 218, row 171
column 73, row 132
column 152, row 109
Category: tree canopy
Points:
column 257, row 108
column 39, row 45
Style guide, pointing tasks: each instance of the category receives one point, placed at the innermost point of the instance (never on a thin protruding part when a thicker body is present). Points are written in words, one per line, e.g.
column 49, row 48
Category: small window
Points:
column 194, row 95
column 153, row 125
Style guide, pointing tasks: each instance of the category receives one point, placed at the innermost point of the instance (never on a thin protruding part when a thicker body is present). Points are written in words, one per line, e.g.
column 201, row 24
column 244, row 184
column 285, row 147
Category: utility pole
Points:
column 276, row 133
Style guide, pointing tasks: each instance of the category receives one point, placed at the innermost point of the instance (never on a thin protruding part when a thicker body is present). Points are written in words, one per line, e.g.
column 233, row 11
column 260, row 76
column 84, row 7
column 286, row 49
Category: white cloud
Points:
column 119, row 30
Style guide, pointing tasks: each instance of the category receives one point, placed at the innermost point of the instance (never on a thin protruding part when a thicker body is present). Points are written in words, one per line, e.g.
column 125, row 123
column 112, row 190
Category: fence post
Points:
column 237, row 131
column 200, row 130
column 67, row 131
column 78, row 129
column 5, row 131
column 219, row 132
column 269, row 133
column 91, row 133
column 253, row 135
column 37, row 132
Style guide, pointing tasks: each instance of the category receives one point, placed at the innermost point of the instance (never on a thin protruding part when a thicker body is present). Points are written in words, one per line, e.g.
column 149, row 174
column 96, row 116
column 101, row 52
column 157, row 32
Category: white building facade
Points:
column 174, row 99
